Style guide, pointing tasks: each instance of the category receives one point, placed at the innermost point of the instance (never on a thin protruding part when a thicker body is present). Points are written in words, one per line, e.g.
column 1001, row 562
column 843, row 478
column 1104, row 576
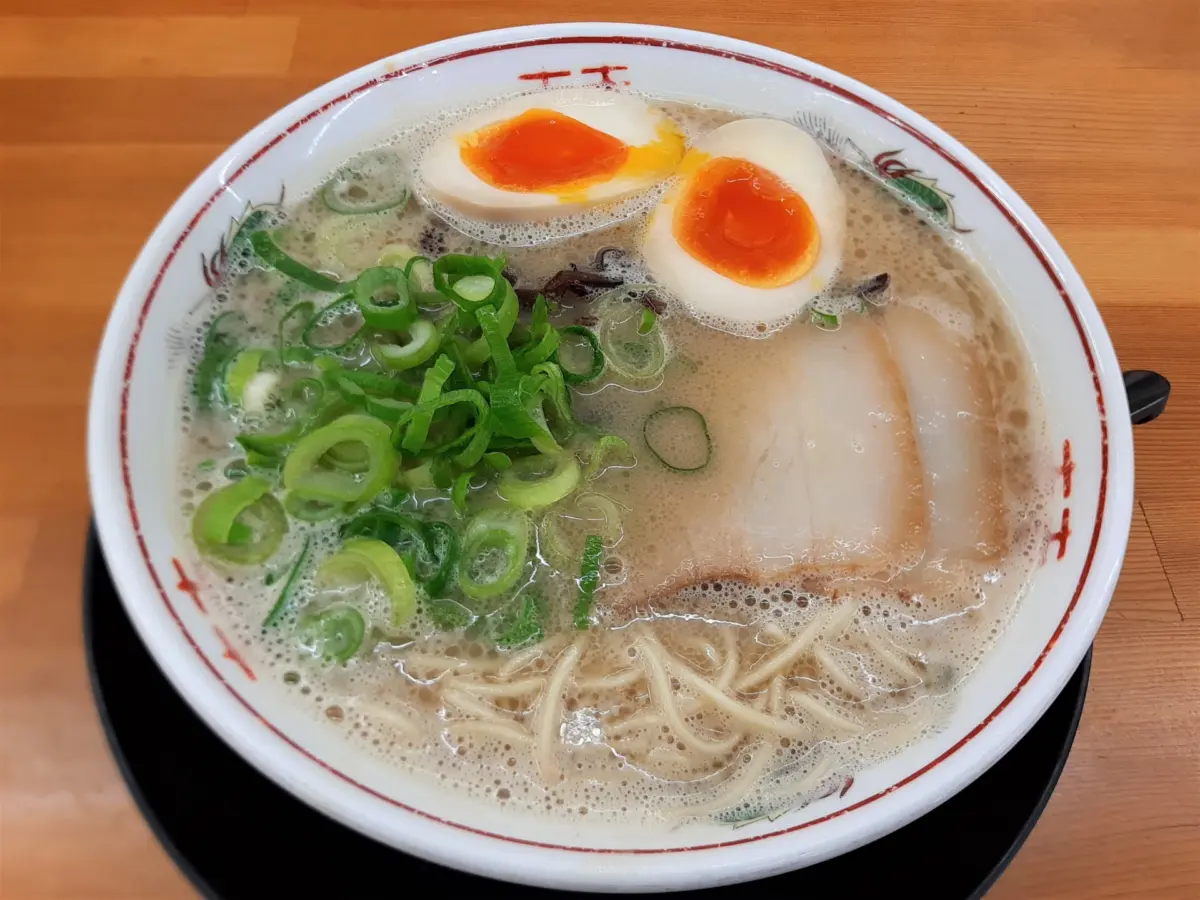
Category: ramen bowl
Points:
column 132, row 469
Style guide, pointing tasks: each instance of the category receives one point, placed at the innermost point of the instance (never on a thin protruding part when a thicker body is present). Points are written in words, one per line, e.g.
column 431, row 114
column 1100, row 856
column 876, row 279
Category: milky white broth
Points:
column 717, row 683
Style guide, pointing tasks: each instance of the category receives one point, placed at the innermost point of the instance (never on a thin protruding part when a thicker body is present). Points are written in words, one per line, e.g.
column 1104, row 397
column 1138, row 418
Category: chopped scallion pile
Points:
column 423, row 410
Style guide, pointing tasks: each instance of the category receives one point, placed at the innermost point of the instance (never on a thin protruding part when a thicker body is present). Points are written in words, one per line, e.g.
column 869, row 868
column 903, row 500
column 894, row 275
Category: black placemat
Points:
column 236, row 835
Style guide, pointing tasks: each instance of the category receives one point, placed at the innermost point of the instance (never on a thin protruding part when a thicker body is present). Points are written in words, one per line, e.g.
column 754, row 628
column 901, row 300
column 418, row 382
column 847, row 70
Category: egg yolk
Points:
column 543, row 150
column 744, row 222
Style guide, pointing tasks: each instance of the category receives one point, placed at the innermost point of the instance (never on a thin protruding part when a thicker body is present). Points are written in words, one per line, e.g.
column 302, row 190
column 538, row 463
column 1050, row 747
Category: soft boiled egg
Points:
column 550, row 154
column 755, row 228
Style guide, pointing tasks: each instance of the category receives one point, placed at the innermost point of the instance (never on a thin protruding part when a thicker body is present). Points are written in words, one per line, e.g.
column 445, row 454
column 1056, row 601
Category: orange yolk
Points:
column 544, row 151
column 744, row 222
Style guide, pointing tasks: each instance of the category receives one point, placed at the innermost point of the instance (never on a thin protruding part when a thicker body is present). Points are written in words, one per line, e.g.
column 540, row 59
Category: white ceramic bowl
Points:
column 131, row 432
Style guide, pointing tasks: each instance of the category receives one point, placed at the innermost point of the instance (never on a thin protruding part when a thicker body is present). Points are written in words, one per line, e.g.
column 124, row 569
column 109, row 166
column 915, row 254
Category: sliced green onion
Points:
column 577, row 368
column 825, row 321
column 477, row 447
column 458, row 493
column 401, row 531
column 474, row 288
column 374, row 383
column 495, row 546
column 263, row 461
column 361, row 558
column 522, row 627
column 539, row 350
column 639, row 360
column 528, row 485
column 589, row 580
column 372, row 183
column 333, row 634
column 268, row 251
column 241, row 523
column 270, row 445
column 563, row 530
column 450, row 422
column 239, row 373
column 397, row 255
column 420, row 282
column 422, row 417
column 349, row 456
column 222, row 508
column 678, row 437
column 442, row 544
column 308, row 509
column 302, row 471
column 304, row 398
column 352, row 393
column 647, row 321
column 516, row 399
column 472, row 441
column 498, row 461
column 442, row 472
column 333, row 328
column 481, row 279
column 419, row 271
column 287, row 596
column 433, row 546
column 219, row 348
column 554, row 389
column 383, row 296
column 611, row 530
column 479, row 351
column 423, row 341
column 630, row 353
column 296, row 318
column 389, row 409
column 420, row 275
column 456, row 347
column 539, row 317
column 607, row 447
column 543, row 337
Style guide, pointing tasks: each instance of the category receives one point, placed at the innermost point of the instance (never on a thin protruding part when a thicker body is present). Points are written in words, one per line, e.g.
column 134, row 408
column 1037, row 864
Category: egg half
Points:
column 550, row 154
column 755, row 228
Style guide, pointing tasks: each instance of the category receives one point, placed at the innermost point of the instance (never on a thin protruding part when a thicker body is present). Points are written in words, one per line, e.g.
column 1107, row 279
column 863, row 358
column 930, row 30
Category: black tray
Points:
column 236, row 835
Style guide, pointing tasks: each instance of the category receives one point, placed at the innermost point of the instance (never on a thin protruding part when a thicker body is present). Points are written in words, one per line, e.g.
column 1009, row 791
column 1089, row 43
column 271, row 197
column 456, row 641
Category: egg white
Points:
column 448, row 179
column 794, row 158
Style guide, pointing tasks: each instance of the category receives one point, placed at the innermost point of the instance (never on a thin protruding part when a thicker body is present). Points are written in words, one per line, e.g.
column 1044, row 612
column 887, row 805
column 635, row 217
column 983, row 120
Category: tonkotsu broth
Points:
column 717, row 684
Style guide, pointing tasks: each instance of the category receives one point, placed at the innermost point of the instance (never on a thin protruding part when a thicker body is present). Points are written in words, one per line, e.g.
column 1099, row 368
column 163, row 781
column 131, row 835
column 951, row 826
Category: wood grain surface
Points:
column 108, row 108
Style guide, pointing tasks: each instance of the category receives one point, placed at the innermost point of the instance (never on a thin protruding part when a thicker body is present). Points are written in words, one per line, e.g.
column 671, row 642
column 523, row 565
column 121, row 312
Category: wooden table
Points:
column 1089, row 108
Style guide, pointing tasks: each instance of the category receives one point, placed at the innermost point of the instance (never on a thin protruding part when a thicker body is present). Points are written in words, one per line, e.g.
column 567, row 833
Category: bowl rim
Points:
column 1106, row 542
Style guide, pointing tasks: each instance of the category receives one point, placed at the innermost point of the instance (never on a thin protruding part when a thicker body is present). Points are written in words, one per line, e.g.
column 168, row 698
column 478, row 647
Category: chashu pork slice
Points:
column 955, row 417
column 860, row 463
column 818, row 472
